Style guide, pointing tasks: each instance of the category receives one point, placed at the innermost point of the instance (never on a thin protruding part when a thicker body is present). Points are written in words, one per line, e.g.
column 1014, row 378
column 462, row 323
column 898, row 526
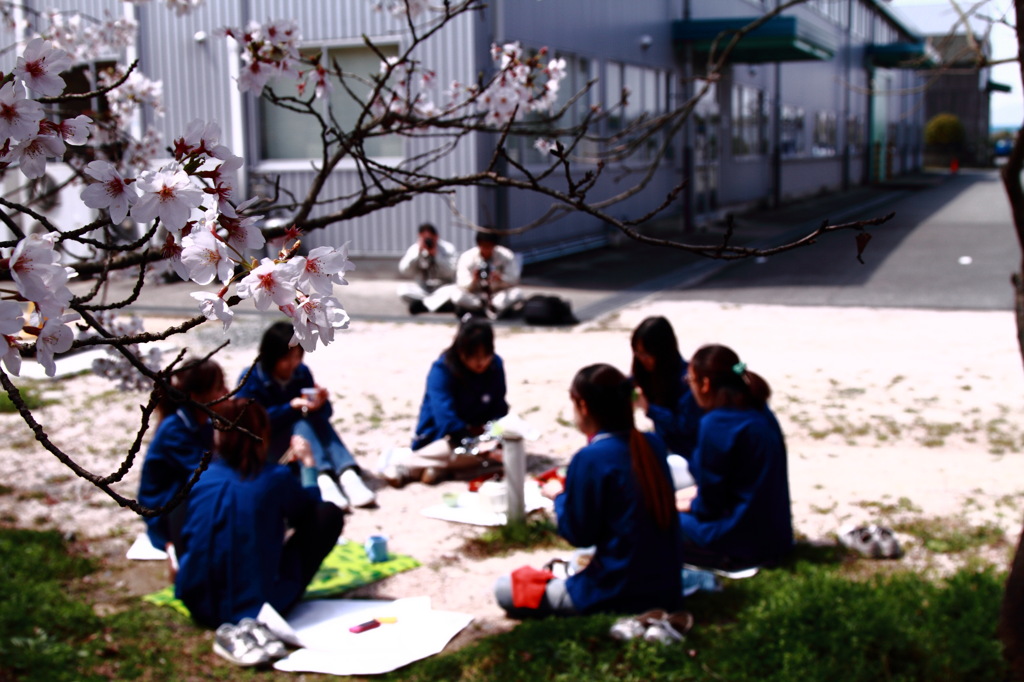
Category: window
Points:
column 647, row 95
column 287, row 134
column 792, row 135
column 749, row 118
column 854, row 133
column 824, row 134
column 707, row 120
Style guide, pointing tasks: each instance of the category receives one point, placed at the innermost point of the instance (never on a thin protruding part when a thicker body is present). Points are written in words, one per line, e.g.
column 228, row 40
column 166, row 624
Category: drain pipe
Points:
column 514, row 458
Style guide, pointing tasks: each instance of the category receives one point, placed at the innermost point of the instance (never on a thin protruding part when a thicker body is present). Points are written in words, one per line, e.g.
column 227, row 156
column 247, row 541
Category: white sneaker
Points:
column 331, row 492
column 352, row 484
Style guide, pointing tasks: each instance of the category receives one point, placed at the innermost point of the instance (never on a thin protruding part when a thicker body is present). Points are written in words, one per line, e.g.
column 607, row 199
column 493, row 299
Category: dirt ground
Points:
column 888, row 414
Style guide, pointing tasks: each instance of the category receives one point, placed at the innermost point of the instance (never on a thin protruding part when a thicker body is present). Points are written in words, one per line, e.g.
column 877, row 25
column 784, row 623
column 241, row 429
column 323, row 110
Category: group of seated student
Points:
column 732, row 508
column 618, row 496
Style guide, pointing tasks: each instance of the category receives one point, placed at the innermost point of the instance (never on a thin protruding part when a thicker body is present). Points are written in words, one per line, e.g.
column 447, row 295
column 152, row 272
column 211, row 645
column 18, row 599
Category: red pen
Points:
column 363, row 627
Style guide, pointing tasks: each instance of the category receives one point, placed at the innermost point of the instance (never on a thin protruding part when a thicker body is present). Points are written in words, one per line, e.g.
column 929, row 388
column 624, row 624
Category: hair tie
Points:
column 739, row 368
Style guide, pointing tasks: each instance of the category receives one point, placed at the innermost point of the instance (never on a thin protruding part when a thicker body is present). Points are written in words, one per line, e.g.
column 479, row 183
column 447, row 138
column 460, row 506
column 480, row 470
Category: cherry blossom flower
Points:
column 167, row 194
column 55, row 337
column 213, row 307
column 172, row 255
column 19, row 116
column 544, row 146
column 242, row 234
column 204, row 257
column 270, row 283
column 111, row 192
column 324, row 267
column 11, row 319
column 40, row 65
column 10, row 353
column 36, row 269
column 317, row 317
column 75, row 130
column 32, row 152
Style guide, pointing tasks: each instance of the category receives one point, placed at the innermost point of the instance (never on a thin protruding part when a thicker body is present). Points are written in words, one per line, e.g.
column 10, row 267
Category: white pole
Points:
column 514, row 457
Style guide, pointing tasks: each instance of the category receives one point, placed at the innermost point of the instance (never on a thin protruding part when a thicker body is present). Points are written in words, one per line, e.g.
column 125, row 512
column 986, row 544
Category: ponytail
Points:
column 732, row 384
column 608, row 396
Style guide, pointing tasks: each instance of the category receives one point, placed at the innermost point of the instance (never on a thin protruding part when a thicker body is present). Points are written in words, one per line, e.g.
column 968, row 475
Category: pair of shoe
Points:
column 656, row 625
column 347, row 491
column 876, row 542
column 247, row 644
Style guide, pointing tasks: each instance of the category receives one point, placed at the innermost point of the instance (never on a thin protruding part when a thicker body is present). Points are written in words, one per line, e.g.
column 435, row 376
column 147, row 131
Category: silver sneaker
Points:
column 266, row 639
column 239, row 646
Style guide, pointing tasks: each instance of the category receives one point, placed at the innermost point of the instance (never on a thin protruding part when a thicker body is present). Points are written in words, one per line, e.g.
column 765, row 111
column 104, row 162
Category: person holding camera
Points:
column 430, row 262
column 487, row 277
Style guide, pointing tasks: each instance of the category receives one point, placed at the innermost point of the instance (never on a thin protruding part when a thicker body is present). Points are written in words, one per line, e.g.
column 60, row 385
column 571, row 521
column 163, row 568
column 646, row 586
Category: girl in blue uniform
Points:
column 300, row 416
column 741, row 515
column 465, row 390
column 617, row 497
column 659, row 372
column 182, row 436
column 232, row 549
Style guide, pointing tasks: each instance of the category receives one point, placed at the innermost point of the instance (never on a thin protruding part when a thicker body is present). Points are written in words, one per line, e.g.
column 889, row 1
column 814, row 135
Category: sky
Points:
column 937, row 16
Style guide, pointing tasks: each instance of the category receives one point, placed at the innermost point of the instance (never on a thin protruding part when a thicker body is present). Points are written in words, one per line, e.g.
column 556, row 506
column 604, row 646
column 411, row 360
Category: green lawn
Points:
column 819, row 618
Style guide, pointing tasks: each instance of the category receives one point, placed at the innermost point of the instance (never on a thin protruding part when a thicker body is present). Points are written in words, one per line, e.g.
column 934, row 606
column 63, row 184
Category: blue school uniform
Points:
column 232, row 543
column 174, row 453
column 452, row 403
column 677, row 424
column 328, row 449
column 637, row 566
column 742, row 509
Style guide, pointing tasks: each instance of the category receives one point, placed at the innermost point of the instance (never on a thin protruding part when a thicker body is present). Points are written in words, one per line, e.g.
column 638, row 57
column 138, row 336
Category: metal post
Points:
column 514, row 457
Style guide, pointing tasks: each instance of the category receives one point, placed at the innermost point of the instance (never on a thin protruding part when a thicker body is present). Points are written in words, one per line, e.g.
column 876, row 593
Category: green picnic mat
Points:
column 345, row 568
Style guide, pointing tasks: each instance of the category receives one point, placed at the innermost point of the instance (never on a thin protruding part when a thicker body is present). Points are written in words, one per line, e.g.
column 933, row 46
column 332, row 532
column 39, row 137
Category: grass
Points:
column 31, row 395
column 534, row 533
column 952, row 534
column 812, row 619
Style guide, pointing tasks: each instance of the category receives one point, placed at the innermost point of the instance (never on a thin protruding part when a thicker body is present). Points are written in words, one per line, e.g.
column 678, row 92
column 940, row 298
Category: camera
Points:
column 485, row 274
column 429, row 243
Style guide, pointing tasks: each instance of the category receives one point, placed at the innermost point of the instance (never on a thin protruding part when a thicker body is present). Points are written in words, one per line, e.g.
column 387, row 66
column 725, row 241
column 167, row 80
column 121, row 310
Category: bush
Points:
column 944, row 130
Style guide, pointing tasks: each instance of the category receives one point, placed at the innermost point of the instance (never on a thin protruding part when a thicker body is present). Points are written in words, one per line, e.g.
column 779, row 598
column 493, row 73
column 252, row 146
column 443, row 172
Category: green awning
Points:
column 901, row 56
column 780, row 39
column 998, row 87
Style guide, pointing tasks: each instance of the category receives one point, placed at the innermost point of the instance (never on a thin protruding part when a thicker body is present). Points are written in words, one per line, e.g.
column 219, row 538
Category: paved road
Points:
column 951, row 246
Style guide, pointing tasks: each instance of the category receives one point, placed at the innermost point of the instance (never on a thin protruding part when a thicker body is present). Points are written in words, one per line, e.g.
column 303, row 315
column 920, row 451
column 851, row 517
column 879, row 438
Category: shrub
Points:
column 944, row 130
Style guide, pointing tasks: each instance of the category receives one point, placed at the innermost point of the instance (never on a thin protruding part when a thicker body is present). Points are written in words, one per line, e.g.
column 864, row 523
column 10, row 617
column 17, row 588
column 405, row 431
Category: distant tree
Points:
column 945, row 131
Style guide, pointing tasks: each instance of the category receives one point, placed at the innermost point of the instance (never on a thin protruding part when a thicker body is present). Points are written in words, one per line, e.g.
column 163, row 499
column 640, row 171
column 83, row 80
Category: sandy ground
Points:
column 889, row 414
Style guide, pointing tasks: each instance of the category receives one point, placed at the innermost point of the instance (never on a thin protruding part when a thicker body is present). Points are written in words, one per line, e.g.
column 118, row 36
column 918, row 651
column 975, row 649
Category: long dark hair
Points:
column 242, row 443
column 731, row 383
column 608, row 397
column 192, row 378
column 474, row 335
column 662, row 386
column 275, row 344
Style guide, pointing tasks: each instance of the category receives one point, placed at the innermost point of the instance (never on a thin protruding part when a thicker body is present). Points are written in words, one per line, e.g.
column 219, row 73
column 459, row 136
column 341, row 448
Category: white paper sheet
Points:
column 470, row 512
column 143, row 550
column 322, row 626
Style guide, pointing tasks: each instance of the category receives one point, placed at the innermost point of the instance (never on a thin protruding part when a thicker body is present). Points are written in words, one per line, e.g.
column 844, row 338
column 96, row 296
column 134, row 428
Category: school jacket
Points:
column 233, row 541
column 742, row 508
column 275, row 397
column 451, row 404
column 678, row 424
column 174, row 453
column 637, row 566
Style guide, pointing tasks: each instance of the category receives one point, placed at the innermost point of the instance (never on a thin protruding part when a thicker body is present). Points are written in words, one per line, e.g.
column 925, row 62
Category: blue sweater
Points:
column 275, row 397
column 233, row 541
column 637, row 566
column 452, row 404
column 742, row 508
column 175, row 451
column 678, row 424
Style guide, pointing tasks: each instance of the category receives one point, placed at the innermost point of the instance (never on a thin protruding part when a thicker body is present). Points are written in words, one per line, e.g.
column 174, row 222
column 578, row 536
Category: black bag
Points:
column 548, row 310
